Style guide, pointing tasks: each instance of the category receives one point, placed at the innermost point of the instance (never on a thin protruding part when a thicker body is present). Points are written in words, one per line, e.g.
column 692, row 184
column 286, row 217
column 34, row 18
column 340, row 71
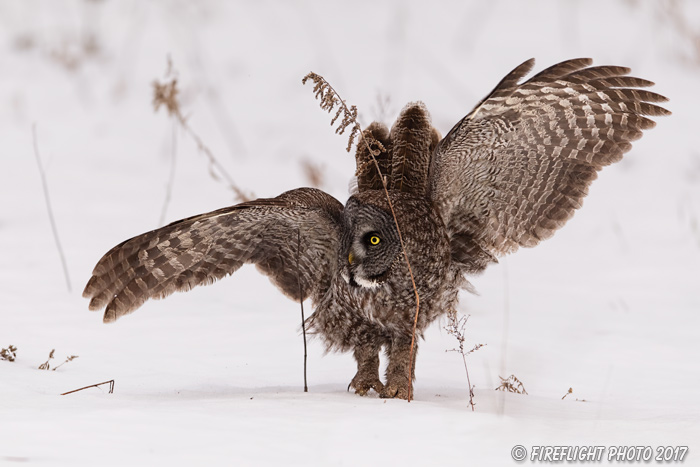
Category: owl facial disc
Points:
column 370, row 244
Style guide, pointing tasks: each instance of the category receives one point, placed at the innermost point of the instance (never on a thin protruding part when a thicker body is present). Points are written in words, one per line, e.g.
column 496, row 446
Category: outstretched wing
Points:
column 292, row 238
column 516, row 168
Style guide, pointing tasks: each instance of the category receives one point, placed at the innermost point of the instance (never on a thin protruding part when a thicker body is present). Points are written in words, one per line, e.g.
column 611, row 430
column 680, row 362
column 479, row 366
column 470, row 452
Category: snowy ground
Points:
column 608, row 307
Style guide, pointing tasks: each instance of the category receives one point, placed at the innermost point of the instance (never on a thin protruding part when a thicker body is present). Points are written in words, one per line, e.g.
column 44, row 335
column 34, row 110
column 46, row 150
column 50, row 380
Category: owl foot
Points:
column 367, row 376
column 395, row 388
column 363, row 382
column 398, row 383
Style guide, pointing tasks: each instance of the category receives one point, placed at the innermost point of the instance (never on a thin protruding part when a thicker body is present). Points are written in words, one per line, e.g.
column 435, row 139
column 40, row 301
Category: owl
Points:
column 508, row 175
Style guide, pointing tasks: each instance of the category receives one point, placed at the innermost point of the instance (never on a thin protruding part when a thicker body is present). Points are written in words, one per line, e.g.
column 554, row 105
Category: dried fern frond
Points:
column 329, row 100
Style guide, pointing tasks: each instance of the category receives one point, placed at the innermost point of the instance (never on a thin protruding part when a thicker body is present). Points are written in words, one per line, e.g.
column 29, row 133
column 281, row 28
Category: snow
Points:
column 608, row 307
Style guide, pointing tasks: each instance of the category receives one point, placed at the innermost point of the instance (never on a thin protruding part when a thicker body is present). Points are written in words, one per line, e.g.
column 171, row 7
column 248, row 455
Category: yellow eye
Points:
column 374, row 240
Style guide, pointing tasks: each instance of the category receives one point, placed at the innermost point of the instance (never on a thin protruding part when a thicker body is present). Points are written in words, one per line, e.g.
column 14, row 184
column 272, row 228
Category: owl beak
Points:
column 348, row 274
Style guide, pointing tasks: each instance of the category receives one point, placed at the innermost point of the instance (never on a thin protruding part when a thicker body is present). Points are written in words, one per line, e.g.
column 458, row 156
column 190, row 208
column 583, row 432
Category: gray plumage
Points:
column 508, row 175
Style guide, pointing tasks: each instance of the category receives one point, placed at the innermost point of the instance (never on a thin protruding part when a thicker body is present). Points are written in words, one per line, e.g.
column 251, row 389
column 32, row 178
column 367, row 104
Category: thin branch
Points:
column 213, row 161
column 506, row 325
column 301, row 303
column 68, row 359
column 167, row 95
column 455, row 327
column 227, row 127
column 110, row 382
column 469, row 383
column 47, row 198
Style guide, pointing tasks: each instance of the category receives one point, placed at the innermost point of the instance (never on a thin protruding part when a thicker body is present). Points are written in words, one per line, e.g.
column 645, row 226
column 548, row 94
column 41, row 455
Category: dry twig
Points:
column 506, row 325
column 330, row 100
column 455, row 327
column 110, row 382
column 166, row 95
column 69, row 359
column 47, row 365
column 301, row 304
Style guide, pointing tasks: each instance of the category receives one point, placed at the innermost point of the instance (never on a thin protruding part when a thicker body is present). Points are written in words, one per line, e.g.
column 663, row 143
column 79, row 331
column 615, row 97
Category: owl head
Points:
column 370, row 244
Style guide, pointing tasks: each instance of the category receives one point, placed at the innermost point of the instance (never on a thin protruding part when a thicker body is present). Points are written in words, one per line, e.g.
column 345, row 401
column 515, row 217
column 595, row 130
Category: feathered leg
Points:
column 397, row 381
column 367, row 377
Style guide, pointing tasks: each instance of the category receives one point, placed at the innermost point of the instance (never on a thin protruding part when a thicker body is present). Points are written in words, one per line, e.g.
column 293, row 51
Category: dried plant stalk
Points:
column 330, row 100
column 47, row 198
column 110, row 382
column 47, row 364
column 455, row 327
column 166, row 95
column 301, row 304
column 69, row 359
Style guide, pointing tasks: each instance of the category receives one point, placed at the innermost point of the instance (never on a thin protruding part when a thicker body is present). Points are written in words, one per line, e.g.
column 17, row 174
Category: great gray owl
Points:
column 509, row 174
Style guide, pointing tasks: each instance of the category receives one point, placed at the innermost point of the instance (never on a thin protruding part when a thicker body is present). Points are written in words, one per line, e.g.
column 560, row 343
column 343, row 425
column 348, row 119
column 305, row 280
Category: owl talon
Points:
column 395, row 391
column 363, row 383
